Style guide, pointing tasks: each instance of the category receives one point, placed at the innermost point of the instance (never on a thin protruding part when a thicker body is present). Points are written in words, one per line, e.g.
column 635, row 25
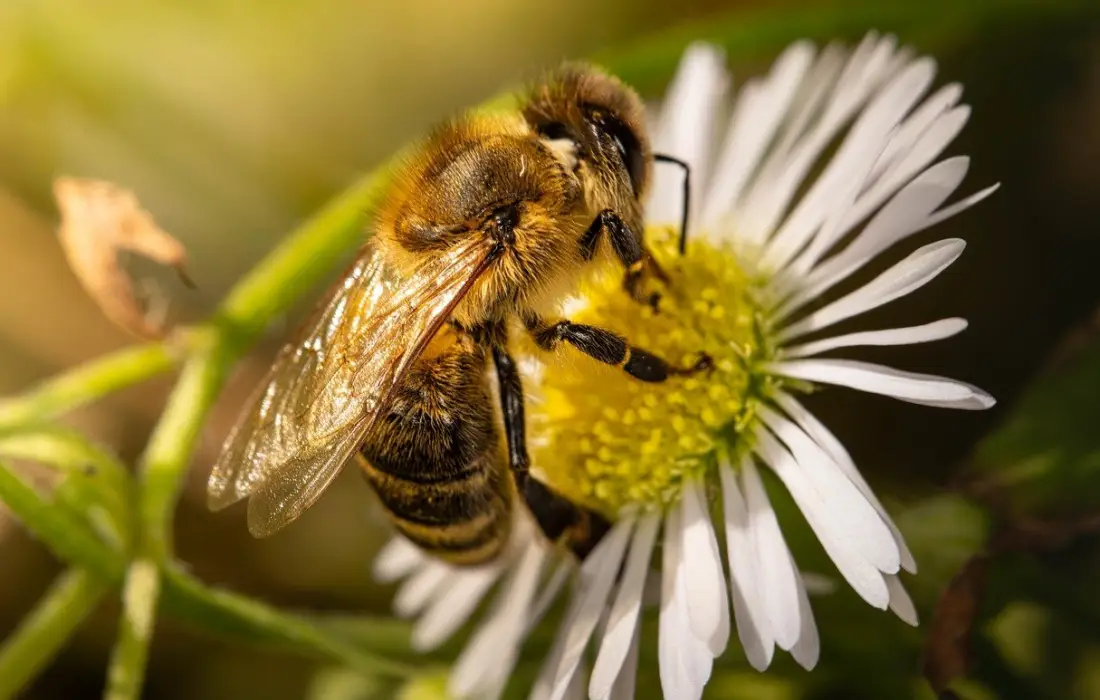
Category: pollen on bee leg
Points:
column 614, row 443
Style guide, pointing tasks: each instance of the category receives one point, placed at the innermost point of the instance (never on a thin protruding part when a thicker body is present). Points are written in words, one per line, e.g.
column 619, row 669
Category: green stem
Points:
column 86, row 383
column 126, row 673
column 96, row 486
column 65, row 535
column 301, row 261
column 165, row 462
column 173, row 441
column 187, row 599
column 45, row 630
column 233, row 615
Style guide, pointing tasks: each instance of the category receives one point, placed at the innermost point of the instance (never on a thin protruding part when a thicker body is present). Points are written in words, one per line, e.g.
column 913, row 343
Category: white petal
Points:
column 708, row 606
column 824, row 437
column 758, row 113
column 860, row 574
column 912, row 273
column 628, row 675
column 550, row 592
column 808, row 649
column 452, row 607
column 961, row 205
column 684, row 661
column 484, row 665
column 907, row 213
column 813, row 94
column 622, row 622
column 788, row 166
column 777, row 576
column 915, row 127
column 417, row 591
column 854, row 519
column 749, row 605
column 544, row 683
column 687, row 129
column 937, row 330
column 597, row 577
column 930, row 145
column 900, row 602
column 396, row 560
column 924, row 389
column 849, row 170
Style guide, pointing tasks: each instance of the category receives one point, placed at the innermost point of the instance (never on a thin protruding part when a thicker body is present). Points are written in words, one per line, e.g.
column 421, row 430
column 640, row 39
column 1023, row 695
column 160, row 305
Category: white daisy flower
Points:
column 821, row 165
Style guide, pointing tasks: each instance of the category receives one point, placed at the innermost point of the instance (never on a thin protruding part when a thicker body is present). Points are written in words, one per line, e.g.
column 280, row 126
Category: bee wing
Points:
column 324, row 391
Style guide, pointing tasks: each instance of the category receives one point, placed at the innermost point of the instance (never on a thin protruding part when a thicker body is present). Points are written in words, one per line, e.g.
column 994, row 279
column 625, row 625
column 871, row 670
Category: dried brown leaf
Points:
column 99, row 220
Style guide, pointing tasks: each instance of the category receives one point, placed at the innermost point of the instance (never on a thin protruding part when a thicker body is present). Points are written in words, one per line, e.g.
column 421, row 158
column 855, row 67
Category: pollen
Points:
column 614, row 443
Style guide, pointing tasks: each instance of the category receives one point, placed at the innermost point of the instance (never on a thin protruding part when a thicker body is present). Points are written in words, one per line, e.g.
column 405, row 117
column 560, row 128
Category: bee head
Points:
column 591, row 116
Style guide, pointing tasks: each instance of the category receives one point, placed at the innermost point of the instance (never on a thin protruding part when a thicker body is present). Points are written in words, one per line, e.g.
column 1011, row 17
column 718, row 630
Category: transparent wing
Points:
column 324, row 391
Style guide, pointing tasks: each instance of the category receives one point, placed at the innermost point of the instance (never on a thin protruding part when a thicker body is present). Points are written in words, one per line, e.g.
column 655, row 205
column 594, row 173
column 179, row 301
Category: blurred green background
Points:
column 234, row 120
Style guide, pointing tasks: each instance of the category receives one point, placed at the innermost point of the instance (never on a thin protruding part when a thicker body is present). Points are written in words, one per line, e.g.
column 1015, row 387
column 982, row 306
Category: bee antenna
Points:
column 665, row 158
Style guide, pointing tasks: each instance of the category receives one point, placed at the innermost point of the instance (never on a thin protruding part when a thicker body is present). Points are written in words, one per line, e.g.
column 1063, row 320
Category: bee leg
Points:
column 629, row 249
column 610, row 348
column 558, row 518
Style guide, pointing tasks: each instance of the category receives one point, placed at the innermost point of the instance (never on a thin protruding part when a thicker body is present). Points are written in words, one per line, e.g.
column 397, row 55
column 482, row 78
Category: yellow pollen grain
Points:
column 610, row 441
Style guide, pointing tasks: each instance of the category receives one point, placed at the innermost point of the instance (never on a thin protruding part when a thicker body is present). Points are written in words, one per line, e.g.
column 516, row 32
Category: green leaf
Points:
column 1044, row 460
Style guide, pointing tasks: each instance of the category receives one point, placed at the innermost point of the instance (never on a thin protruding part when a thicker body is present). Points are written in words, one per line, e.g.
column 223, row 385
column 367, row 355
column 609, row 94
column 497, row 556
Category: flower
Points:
column 669, row 464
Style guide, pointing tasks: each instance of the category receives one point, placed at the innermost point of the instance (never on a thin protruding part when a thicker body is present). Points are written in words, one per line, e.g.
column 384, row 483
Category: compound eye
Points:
column 626, row 143
column 554, row 131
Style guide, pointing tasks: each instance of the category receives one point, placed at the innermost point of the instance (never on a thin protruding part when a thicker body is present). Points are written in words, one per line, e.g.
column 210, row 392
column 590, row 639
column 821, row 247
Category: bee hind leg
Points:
column 559, row 519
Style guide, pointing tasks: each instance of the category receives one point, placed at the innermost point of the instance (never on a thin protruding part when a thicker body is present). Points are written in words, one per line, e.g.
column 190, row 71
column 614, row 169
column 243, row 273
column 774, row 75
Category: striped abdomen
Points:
column 436, row 460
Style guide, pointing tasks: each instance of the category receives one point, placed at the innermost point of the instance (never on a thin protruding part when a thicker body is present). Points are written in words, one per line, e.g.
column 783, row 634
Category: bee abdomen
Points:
column 462, row 518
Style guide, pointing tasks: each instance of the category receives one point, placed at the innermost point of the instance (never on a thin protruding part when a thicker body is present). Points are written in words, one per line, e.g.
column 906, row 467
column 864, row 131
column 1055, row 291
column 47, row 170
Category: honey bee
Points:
column 485, row 229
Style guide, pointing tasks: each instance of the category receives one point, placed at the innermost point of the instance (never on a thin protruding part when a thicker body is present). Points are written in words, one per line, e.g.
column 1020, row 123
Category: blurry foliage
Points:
column 249, row 118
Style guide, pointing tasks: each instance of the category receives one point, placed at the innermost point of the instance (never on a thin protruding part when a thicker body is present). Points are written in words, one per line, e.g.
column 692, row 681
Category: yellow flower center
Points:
column 613, row 442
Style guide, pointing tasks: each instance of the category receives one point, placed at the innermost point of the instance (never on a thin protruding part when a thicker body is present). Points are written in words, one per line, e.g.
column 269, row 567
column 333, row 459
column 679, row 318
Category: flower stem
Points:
column 86, row 383
column 66, row 536
column 126, row 673
column 164, row 463
column 45, row 630
column 233, row 615
column 302, row 260
column 172, row 444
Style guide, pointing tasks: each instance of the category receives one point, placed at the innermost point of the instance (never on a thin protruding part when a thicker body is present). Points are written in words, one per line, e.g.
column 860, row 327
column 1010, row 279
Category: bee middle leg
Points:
column 629, row 249
column 611, row 348
column 559, row 519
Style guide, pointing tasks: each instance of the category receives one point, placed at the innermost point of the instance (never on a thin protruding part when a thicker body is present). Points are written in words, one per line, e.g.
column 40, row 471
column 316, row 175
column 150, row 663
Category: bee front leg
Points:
column 629, row 249
column 558, row 518
column 610, row 348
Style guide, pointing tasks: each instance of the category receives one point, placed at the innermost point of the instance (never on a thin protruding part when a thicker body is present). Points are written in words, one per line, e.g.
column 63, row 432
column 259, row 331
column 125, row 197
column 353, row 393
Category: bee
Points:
column 484, row 230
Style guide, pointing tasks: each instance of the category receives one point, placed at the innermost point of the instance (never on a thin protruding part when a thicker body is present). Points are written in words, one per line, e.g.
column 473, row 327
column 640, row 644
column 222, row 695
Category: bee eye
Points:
column 554, row 131
column 626, row 143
